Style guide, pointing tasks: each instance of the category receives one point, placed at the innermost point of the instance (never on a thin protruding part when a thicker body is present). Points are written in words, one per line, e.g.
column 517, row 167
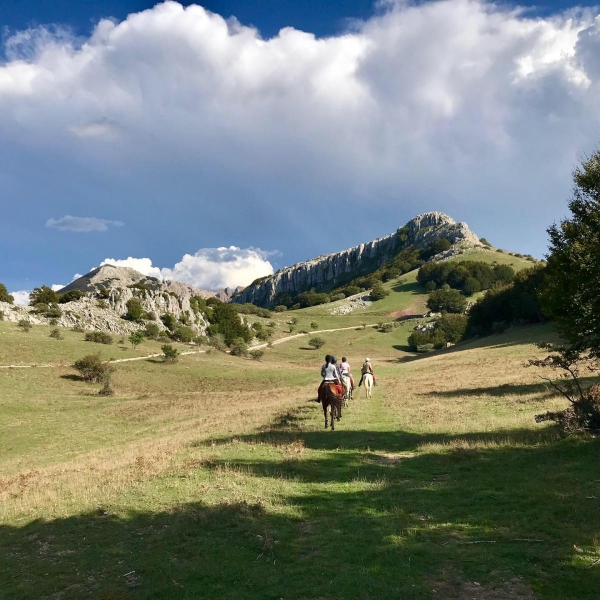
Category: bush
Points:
column 226, row 321
column 99, row 337
column 152, row 331
column 316, row 342
column 24, row 325
column 386, row 327
column 102, row 304
column 169, row 353
column 430, row 286
column 451, row 301
column 4, row 295
column 183, row 334
column 55, row 333
column 378, row 292
column 257, row 354
column 1, row 315
column 217, row 342
column 239, row 347
column 314, row 325
column 135, row 311
column 70, row 296
column 107, row 389
column 338, row 296
column 77, row 328
column 485, row 242
column 452, row 327
column 136, row 338
column 280, row 308
column 419, row 338
column 92, row 368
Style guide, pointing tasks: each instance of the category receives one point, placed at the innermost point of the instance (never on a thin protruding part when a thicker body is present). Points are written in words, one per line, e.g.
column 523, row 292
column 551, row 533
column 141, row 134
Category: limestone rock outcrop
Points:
column 325, row 271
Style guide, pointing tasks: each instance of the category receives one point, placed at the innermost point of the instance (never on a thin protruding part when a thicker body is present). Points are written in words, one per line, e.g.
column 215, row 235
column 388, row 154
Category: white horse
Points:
column 347, row 384
column 368, row 383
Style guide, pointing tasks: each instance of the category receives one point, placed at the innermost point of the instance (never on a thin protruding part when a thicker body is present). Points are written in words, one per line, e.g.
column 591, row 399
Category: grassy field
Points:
column 214, row 478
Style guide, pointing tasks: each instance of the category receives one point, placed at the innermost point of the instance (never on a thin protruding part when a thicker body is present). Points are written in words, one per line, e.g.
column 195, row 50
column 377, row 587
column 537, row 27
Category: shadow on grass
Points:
column 72, row 377
column 351, row 514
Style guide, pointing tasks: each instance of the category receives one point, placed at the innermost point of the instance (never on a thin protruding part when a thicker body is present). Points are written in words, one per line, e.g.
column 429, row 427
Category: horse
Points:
column 331, row 398
column 368, row 381
column 347, row 384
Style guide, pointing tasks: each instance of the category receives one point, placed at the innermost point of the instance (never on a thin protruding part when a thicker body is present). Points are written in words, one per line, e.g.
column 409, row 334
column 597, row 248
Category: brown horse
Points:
column 332, row 398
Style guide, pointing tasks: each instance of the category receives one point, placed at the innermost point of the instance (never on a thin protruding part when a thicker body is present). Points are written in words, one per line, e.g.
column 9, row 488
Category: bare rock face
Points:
column 324, row 271
column 109, row 288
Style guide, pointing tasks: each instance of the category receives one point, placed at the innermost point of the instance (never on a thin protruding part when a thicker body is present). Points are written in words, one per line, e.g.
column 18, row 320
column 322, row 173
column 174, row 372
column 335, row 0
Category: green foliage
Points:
column 182, row 333
column 169, row 321
column 135, row 311
column 152, row 331
column 70, row 296
column 485, row 242
column 238, row 347
column 507, row 304
column 316, row 342
column 280, row 308
column 49, row 311
column 351, row 290
column 437, row 246
column 451, row 301
column 24, row 325
column 92, row 368
column 430, row 286
column 184, row 319
column 5, row 296
column 452, row 327
column 55, row 334
column 314, row 325
column 217, row 341
column 43, row 295
column 338, row 296
column 226, row 321
column 312, row 298
column 77, row 328
column 198, row 304
column 1, row 315
column 470, row 276
column 378, row 292
column 142, row 287
column 169, row 353
column 252, row 309
column 386, row 327
column 102, row 304
column 100, row 337
column 136, row 338
column 294, row 321
column 257, row 354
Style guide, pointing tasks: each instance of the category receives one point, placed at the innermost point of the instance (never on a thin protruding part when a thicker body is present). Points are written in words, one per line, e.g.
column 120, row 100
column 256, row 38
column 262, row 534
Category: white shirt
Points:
column 345, row 367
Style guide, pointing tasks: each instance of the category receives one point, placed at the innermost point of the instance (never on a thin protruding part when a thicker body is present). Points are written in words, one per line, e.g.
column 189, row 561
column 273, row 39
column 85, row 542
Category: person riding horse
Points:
column 366, row 368
column 330, row 373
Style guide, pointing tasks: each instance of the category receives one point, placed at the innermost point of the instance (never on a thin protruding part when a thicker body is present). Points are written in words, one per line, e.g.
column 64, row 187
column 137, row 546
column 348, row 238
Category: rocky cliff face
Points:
column 109, row 289
column 326, row 271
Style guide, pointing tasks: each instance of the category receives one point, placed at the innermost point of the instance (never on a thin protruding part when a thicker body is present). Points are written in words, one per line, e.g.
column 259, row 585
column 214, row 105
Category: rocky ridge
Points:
column 109, row 288
column 324, row 271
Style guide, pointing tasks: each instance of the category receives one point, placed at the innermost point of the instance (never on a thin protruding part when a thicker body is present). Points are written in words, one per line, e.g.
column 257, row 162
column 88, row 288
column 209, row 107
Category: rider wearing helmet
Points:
column 366, row 368
column 345, row 370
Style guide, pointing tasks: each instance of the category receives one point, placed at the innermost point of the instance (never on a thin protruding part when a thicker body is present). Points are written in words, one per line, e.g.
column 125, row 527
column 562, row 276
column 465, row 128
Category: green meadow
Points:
column 214, row 477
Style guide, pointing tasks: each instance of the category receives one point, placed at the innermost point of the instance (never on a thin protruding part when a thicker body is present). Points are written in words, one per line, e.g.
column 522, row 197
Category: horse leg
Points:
column 332, row 405
column 325, row 413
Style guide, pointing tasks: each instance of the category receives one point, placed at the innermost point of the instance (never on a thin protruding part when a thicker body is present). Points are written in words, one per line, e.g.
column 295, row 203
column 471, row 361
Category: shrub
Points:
column 24, row 325
column 70, row 296
column 1, row 315
column 43, row 295
column 338, row 296
column 452, row 327
column 437, row 246
column 92, row 368
column 316, row 342
column 217, row 342
column 136, row 338
column 378, row 292
column 107, row 389
column 135, row 311
column 280, row 308
column 430, row 286
column 102, row 304
column 386, row 327
column 169, row 353
column 418, row 338
column 314, row 325
column 484, row 242
column 99, row 337
column 226, row 321
column 55, row 333
column 257, row 354
column 152, row 331
column 182, row 333
column 451, row 301
column 312, row 298
column 294, row 321
column 239, row 348
column 169, row 321
column 4, row 295
column 77, row 328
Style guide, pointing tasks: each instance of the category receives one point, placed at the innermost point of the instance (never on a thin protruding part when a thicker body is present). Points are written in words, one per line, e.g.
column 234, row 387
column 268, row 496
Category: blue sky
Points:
column 214, row 150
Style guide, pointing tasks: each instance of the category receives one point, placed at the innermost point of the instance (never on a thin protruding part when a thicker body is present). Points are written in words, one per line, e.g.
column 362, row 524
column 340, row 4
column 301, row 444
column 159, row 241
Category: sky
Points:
column 216, row 143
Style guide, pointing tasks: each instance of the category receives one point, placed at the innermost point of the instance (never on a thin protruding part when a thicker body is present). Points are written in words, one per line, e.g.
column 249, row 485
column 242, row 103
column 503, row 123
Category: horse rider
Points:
column 345, row 371
column 330, row 374
column 366, row 368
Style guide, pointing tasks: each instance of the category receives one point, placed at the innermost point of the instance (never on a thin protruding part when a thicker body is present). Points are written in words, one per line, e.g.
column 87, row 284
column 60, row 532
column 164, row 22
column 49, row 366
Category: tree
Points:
column 136, row 338
column 135, row 311
column 316, row 342
column 152, row 331
column 70, row 296
column 378, row 292
column 43, row 295
column 226, row 321
column 452, row 327
column 5, row 296
column 570, row 297
column 451, row 301
column 169, row 353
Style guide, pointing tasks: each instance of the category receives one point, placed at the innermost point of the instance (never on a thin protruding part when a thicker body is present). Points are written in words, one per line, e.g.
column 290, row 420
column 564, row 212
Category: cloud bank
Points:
column 458, row 105
column 81, row 224
column 207, row 269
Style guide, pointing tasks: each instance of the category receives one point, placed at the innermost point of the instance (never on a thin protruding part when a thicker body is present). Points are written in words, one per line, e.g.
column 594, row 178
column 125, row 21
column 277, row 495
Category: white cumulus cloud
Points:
column 81, row 224
column 218, row 268
column 21, row 297
column 142, row 265
column 57, row 286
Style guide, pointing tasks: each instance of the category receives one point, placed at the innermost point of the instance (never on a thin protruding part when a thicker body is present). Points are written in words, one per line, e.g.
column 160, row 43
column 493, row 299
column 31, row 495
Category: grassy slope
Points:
column 213, row 478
